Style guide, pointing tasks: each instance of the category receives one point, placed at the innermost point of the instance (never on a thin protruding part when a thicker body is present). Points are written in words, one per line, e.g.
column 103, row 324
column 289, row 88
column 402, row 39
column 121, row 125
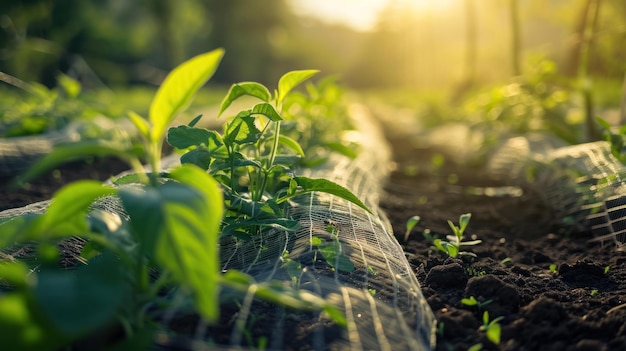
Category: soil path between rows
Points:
column 567, row 308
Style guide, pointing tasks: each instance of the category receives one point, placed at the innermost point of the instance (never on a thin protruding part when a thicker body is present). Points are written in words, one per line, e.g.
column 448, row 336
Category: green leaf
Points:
column 178, row 89
column 281, row 224
column 471, row 301
column 23, row 328
column 452, row 250
column 15, row 273
column 493, row 333
column 189, row 248
column 410, row 224
column 195, row 121
column 70, row 86
column 200, row 157
column 241, row 130
column 464, row 220
column 179, row 223
column 266, row 110
column 455, row 229
column 74, row 200
column 289, row 143
column 285, row 160
column 324, row 185
column 604, row 123
column 145, row 208
column 140, row 123
column 342, row 149
column 80, row 301
column 290, row 80
column 182, row 137
column 242, row 89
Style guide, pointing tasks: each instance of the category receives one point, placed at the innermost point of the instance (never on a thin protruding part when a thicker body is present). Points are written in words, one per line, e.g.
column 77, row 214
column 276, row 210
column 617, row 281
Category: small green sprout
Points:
column 440, row 329
column 593, row 292
column 606, row 269
column 372, row 291
column 476, row 347
column 410, row 224
column 491, row 328
column 475, row 272
column 505, row 261
column 453, row 244
column 472, row 301
column 552, row 268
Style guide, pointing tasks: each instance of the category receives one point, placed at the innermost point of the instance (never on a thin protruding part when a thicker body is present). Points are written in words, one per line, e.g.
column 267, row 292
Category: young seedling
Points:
column 553, row 268
column 472, row 301
column 410, row 224
column 491, row 328
column 452, row 246
column 332, row 251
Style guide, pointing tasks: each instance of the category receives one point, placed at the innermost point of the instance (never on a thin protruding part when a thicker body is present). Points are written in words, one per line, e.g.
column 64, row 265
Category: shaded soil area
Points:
column 553, row 289
column 43, row 187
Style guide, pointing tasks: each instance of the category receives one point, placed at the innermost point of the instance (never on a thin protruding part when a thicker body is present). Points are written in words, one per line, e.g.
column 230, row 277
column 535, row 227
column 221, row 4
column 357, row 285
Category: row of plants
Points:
column 238, row 181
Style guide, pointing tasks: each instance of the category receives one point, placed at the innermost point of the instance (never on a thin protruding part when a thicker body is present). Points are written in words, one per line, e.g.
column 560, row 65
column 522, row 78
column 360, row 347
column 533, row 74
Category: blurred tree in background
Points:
column 115, row 42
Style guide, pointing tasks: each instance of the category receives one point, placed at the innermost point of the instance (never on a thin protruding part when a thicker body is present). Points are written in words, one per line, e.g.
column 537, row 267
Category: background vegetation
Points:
column 116, row 42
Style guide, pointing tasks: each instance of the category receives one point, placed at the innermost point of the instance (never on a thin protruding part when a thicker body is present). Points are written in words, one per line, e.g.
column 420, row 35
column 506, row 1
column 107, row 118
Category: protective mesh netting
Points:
column 380, row 297
column 583, row 184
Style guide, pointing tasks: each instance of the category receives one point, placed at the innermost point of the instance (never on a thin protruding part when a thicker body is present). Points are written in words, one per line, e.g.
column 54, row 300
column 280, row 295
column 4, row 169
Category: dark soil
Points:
column 571, row 307
column 44, row 187
column 567, row 308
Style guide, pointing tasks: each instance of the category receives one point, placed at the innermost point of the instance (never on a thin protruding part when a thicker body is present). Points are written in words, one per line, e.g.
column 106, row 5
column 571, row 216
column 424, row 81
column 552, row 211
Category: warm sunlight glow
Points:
column 363, row 14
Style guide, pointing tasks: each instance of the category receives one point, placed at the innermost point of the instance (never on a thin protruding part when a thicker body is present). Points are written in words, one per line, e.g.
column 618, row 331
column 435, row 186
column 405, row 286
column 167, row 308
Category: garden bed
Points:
column 552, row 288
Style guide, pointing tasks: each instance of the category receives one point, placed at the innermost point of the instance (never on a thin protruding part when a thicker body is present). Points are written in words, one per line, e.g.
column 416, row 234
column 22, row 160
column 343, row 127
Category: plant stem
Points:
column 274, row 145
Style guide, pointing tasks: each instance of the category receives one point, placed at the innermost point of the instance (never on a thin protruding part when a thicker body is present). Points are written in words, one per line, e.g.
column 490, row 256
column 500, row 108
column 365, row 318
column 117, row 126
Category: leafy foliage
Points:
column 237, row 182
column 253, row 162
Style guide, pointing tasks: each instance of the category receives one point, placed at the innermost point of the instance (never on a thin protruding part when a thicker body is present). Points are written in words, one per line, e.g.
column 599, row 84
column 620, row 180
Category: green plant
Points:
column 252, row 160
column 453, row 243
column 472, row 301
column 553, row 268
column 173, row 227
column 410, row 224
column 332, row 251
column 616, row 138
column 491, row 328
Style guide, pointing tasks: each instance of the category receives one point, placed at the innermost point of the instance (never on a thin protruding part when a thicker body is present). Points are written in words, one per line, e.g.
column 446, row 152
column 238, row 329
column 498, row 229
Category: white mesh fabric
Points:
column 584, row 184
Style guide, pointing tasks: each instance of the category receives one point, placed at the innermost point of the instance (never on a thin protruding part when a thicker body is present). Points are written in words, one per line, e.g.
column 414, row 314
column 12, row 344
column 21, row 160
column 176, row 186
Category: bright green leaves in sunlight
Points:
column 307, row 185
column 245, row 89
column 179, row 87
column 177, row 223
column 290, row 80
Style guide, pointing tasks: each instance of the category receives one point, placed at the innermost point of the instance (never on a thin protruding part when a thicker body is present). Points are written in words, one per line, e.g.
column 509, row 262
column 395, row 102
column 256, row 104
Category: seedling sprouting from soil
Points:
column 491, row 328
column 410, row 224
column 452, row 246
column 472, row 301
